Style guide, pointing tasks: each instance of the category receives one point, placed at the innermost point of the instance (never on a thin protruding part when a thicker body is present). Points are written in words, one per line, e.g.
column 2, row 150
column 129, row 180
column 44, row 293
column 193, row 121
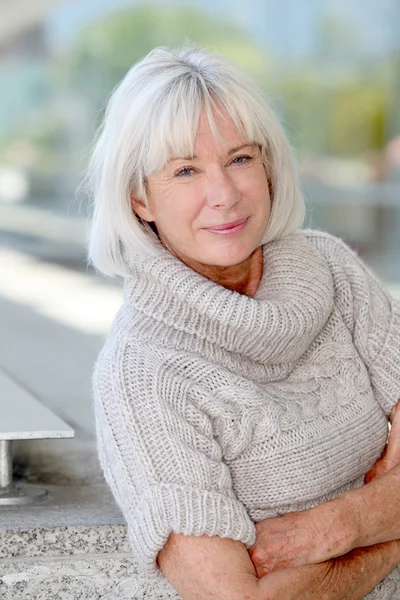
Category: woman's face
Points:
column 219, row 185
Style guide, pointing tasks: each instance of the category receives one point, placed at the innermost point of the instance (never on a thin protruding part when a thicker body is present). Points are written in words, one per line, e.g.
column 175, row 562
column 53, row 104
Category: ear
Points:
column 142, row 210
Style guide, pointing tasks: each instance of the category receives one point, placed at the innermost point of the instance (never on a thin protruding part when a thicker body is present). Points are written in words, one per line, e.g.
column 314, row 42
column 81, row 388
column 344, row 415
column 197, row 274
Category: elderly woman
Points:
column 252, row 368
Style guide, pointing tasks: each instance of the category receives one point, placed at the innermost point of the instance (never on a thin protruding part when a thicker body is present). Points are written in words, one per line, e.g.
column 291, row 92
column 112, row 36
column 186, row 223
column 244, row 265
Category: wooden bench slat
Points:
column 22, row 416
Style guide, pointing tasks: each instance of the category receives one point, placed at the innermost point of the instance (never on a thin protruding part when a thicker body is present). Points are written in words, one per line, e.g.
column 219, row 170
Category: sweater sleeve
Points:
column 159, row 455
column 371, row 314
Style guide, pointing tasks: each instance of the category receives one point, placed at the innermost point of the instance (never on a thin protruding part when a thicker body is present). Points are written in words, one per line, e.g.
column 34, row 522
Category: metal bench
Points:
column 22, row 417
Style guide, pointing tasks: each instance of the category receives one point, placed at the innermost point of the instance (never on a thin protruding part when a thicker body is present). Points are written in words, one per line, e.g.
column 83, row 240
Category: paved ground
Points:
column 53, row 322
column 54, row 316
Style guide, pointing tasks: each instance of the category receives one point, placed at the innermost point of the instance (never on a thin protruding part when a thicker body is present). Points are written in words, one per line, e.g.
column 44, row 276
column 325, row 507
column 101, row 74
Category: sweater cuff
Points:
column 385, row 372
column 164, row 509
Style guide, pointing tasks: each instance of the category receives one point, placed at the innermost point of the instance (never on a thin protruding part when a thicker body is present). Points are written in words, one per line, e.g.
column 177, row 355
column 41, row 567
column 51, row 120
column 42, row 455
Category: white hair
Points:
column 153, row 114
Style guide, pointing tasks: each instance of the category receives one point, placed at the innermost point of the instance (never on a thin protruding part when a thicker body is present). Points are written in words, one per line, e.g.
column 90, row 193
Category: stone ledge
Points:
column 63, row 541
column 45, row 555
column 80, row 578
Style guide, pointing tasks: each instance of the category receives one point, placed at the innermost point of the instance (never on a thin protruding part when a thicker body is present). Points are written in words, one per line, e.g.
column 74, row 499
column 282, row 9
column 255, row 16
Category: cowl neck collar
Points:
column 277, row 324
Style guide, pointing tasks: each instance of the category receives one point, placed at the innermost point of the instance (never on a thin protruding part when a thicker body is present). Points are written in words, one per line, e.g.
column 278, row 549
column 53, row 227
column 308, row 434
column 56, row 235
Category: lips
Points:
column 228, row 225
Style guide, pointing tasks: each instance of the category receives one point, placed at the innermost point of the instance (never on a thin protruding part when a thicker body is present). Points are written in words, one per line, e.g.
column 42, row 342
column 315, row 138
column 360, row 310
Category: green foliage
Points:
column 340, row 105
column 344, row 118
column 305, row 111
column 357, row 118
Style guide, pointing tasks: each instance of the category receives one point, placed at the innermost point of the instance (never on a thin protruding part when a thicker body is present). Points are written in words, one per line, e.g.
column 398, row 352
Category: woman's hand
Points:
column 300, row 538
column 349, row 577
column 391, row 455
column 326, row 531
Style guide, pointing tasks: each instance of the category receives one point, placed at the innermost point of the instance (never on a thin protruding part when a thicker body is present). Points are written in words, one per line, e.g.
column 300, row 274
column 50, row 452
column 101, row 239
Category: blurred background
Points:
column 331, row 69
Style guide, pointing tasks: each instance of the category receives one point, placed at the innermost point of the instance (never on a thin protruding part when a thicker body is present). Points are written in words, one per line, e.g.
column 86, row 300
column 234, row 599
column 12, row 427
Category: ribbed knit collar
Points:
column 277, row 324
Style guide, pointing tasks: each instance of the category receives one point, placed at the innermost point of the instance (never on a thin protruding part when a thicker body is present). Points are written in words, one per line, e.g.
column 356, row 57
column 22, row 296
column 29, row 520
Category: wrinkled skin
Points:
column 326, row 531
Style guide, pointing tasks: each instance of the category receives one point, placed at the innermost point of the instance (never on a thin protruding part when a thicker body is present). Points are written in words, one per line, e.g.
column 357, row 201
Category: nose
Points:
column 222, row 192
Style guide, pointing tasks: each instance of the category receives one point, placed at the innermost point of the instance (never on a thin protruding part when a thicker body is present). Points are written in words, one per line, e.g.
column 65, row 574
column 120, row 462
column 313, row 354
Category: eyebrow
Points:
column 231, row 151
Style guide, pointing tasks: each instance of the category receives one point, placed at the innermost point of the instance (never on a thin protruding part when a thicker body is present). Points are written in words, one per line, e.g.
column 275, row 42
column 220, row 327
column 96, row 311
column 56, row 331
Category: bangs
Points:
column 176, row 119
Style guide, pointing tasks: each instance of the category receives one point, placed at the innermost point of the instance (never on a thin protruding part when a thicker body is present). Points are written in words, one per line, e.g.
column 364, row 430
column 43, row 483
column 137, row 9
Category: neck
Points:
column 243, row 278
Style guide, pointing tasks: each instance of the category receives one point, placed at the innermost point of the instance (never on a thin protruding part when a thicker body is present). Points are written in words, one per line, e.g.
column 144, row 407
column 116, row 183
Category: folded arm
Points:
column 214, row 568
column 359, row 518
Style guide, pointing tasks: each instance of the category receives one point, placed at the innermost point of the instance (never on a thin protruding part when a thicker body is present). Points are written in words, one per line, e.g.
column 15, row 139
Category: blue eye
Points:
column 243, row 159
column 184, row 172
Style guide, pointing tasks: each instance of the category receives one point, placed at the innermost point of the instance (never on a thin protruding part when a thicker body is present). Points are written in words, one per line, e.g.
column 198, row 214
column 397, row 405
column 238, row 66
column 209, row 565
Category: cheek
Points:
column 179, row 208
column 255, row 188
column 187, row 201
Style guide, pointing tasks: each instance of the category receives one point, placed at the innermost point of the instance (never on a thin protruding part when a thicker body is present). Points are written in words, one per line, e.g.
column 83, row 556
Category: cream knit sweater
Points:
column 215, row 410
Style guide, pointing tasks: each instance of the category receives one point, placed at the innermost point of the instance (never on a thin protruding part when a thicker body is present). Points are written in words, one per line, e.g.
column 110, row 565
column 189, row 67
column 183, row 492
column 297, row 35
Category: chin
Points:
column 227, row 257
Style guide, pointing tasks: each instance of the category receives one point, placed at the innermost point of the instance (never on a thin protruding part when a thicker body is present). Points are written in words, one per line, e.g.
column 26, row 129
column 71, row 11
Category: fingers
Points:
column 392, row 414
column 391, row 455
column 393, row 446
column 372, row 474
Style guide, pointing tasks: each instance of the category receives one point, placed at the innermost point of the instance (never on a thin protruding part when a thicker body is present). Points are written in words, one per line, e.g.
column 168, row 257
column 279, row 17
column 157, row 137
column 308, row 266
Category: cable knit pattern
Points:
column 215, row 410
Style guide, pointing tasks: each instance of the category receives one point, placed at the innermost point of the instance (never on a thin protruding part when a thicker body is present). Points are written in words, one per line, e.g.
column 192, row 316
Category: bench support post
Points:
column 5, row 464
column 11, row 494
